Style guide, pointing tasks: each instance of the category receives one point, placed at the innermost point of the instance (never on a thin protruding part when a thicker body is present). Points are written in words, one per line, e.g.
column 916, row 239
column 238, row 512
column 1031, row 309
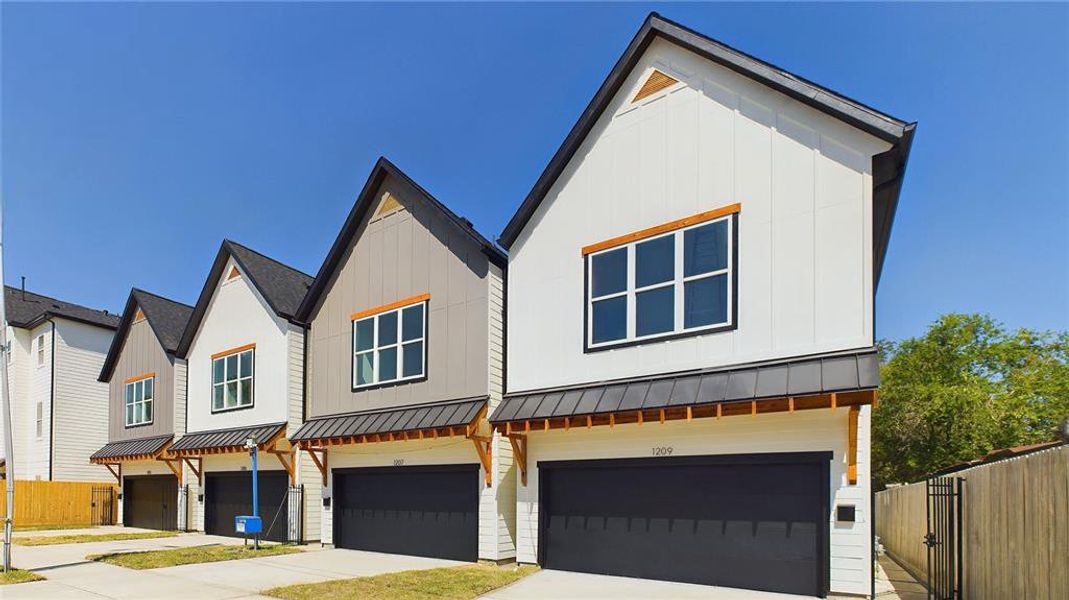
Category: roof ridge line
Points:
column 155, row 295
column 262, row 255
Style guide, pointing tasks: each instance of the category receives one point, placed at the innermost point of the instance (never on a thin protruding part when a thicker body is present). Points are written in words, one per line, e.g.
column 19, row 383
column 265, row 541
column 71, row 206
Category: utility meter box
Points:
column 248, row 524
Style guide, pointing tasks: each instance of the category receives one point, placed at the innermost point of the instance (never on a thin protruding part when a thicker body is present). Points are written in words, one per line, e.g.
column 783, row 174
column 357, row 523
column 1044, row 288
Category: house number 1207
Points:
column 662, row 451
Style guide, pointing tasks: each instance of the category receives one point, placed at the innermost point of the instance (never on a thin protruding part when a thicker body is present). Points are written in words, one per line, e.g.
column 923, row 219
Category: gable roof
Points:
column 28, row 310
column 362, row 207
column 888, row 167
column 166, row 317
column 282, row 286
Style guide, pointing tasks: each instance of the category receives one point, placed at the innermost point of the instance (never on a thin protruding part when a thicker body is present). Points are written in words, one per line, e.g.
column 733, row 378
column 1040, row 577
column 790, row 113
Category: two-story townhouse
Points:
column 405, row 346
column 691, row 361
column 59, row 409
column 146, row 409
column 245, row 359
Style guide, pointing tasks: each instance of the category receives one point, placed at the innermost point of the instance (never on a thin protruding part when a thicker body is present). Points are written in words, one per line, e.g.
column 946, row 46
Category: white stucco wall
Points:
column 236, row 316
column 802, row 431
column 805, row 242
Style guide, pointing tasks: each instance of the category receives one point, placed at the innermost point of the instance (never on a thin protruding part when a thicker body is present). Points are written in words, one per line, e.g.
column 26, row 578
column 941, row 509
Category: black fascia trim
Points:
column 49, row 315
column 445, row 467
column 361, row 208
column 119, row 339
column 731, row 325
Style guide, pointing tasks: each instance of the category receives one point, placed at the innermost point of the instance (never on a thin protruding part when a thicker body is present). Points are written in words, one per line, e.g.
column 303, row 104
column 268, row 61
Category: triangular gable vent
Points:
column 389, row 203
column 139, row 316
column 656, row 82
column 233, row 273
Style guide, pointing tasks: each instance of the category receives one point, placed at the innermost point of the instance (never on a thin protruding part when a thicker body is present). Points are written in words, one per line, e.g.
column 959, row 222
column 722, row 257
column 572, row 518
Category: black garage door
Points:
column 422, row 511
column 228, row 495
column 150, row 501
column 755, row 521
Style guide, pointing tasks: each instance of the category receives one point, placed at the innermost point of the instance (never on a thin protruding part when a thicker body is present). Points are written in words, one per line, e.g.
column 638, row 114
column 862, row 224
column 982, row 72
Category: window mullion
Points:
column 678, row 297
column 631, row 308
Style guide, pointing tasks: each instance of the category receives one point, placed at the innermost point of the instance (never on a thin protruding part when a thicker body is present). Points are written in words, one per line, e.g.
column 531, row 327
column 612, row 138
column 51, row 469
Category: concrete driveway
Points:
column 71, row 576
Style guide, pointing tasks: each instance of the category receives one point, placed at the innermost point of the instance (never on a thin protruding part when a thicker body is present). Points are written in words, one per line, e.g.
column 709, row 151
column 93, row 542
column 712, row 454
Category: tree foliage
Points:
column 968, row 386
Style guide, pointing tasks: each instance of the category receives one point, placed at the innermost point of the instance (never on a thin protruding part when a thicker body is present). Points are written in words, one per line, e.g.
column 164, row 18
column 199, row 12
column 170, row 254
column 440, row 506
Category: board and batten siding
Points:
column 237, row 315
column 405, row 252
column 802, row 431
column 805, row 240
column 142, row 353
column 81, row 410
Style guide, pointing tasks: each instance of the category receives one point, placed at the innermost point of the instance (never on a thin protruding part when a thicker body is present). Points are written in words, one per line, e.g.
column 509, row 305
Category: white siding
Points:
column 307, row 473
column 237, row 315
column 181, row 374
column 81, row 410
column 497, row 519
column 805, row 243
column 30, row 384
column 803, row 431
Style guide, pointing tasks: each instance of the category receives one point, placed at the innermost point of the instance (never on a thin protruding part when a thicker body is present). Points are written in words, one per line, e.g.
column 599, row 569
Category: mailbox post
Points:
column 247, row 524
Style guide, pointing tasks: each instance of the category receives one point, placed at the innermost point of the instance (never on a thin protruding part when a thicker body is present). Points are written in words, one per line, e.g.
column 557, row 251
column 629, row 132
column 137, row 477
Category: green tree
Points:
column 968, row 386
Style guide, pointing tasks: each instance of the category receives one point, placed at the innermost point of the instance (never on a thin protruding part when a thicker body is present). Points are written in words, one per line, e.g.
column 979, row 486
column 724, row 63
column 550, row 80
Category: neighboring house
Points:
column 691, row 360
column 245, row 358
column 147, row 407
column 59, row 409
column 404, row 360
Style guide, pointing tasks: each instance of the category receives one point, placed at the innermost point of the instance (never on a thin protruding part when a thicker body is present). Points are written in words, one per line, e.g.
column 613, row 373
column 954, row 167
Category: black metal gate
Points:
column 944, row 542
column 103, row 505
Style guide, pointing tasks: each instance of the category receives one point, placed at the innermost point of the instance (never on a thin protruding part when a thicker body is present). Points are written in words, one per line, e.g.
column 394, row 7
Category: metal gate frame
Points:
column 102, row 505
column 944, row 538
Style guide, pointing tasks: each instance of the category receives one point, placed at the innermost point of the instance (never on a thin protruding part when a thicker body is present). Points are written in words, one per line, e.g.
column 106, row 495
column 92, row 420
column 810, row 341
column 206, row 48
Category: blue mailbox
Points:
column 248, row 524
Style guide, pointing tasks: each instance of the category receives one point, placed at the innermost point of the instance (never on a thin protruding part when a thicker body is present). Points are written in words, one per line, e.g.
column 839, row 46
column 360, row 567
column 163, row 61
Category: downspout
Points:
column 52, row 406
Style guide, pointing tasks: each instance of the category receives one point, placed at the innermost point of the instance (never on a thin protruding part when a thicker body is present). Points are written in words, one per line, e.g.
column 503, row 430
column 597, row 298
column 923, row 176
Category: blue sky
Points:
column 135, row 137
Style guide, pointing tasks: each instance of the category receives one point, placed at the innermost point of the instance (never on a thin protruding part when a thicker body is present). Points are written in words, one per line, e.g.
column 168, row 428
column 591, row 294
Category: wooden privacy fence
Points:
column 1015, row 525
column 41, row 503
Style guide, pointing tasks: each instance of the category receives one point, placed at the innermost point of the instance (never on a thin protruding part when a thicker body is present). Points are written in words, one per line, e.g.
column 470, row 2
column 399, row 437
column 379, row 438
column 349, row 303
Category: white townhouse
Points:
column 245, row 357
column 691, row 361
column 59, row 409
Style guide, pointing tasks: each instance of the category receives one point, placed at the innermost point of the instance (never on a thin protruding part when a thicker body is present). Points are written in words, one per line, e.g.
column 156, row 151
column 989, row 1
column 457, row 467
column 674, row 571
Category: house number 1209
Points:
column 662, row 451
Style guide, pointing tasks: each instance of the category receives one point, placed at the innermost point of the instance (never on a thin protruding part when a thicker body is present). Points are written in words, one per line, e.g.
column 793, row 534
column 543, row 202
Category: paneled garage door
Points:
column 422, row 511
column 747, row 521
column 150, row 501
column 228, row 495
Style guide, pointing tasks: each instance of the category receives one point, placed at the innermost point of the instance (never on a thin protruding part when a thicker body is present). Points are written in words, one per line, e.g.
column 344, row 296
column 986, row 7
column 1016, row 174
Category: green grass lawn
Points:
column 19, row 528
column 18, row 576
column 155, row 559
column 49, row 540
column 449, row 583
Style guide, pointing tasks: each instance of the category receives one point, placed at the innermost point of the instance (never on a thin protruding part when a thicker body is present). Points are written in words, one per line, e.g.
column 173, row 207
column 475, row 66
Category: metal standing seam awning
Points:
column 113, row 454
column 413, row 422
column 192, row 447
column 823, row 381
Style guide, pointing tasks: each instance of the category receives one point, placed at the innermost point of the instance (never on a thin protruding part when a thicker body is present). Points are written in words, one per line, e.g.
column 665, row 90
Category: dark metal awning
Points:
column 812, row 376
column 149, row 448
column 431, row 420
column 221, row 441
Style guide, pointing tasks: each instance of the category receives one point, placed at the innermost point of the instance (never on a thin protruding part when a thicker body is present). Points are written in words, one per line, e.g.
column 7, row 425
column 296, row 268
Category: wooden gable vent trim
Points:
column 656, row 82
column 389, row 204
column 139, row 316
column 234, row 273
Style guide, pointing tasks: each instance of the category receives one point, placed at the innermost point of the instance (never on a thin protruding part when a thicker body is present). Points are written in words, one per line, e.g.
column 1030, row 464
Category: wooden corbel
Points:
column 851, row 448
column 117, row 474
column 483, row 446
column 519, row 454
column 282, row 456
column 196, row 469
column 175, row 465
column 320, row 463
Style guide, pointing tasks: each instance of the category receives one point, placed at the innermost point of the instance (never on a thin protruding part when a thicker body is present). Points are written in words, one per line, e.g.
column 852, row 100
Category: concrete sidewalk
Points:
column 71, row 576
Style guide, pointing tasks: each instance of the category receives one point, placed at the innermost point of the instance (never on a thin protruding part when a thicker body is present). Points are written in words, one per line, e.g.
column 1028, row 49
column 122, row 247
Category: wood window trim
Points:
column 649, row 232
column 138, row 377
column 391, row 306
column 233, row 351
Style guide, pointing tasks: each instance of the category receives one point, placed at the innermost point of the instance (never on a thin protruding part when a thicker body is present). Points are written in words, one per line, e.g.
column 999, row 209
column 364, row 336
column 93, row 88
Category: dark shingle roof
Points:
column 27, row 309
column 888, row 167
column 282, row 286
column 131, row 448
column 437, row 415
column 230, row 438
column 360, row 210
column 837, row 372
column 166, row 317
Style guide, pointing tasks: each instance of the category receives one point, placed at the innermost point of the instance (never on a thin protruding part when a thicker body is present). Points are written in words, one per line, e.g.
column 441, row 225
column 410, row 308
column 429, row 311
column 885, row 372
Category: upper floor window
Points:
column 232, row 375
column 676, row 279
column 41, row 350
column 138, row 396
column 390, row 345
column 39, row 422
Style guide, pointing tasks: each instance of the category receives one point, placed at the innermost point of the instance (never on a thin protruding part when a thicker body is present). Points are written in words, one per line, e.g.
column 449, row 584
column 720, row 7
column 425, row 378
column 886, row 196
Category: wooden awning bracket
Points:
column 851, row 449
column 320, row 462
column 175, row 465
column 519, row 454
column 198, row 469
column 483, row 447
column 117, row 474
column 282, row 456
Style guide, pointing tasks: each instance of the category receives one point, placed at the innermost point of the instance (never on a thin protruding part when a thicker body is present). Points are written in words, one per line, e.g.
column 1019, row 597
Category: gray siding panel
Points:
column 142, row 353
column 397, row 255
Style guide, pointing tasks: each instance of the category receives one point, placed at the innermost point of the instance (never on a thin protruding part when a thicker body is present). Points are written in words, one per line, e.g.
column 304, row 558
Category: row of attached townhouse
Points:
column 670, row 374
